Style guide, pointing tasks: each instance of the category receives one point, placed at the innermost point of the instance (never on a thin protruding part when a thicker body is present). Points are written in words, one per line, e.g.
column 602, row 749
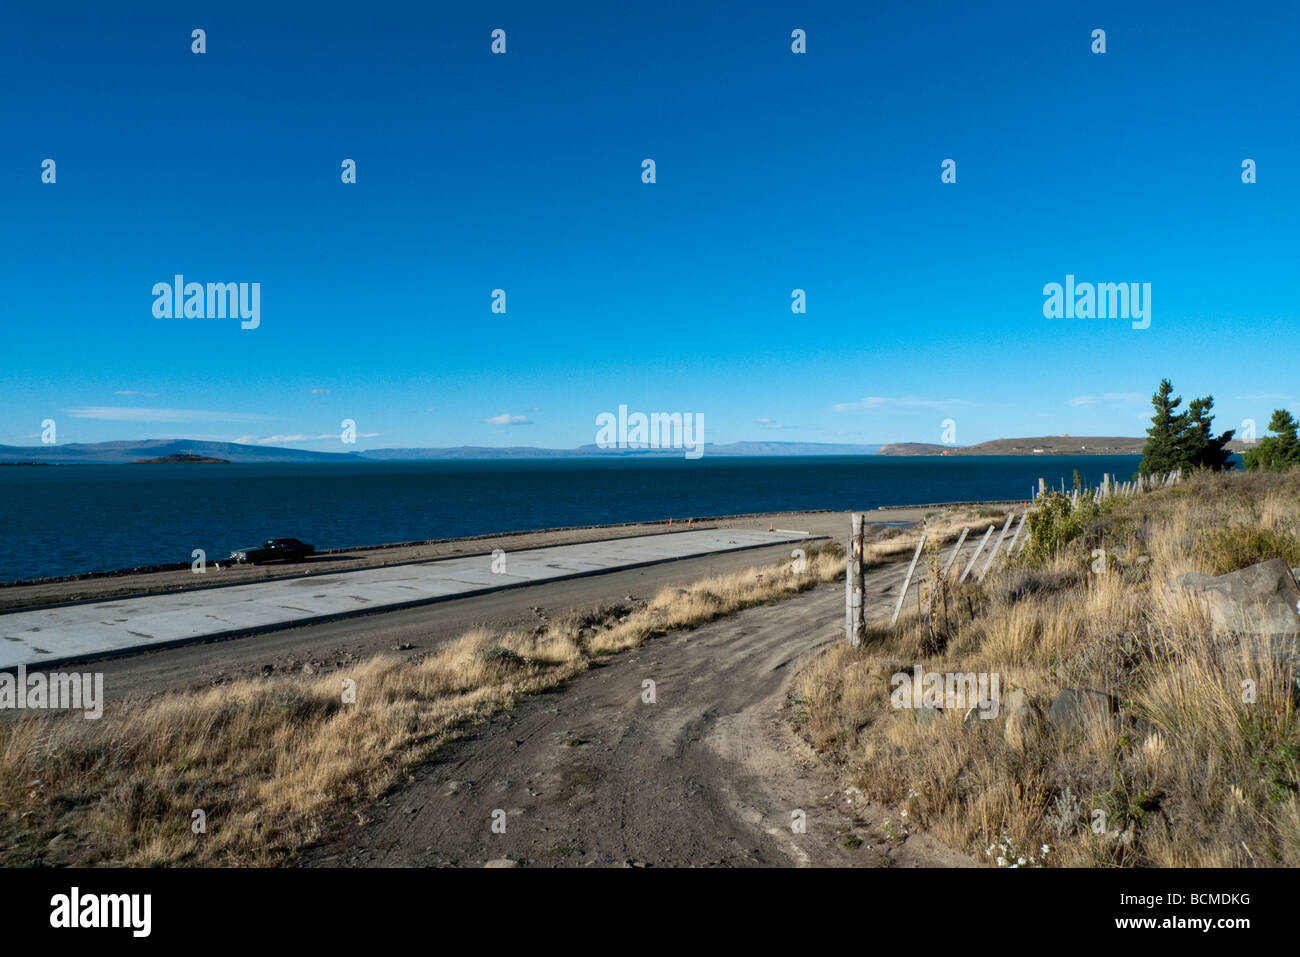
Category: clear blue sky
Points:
column 775, row 171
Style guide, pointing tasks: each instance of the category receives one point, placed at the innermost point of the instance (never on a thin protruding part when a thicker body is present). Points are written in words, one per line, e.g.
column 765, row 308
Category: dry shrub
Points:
column 1193, row 772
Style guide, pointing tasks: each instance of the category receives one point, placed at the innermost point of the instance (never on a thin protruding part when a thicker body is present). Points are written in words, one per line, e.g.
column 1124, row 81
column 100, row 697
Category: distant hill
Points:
column 127, row 452
column 1058, row 445
column 1040, row 445
column 182, row 459
column 916, row 448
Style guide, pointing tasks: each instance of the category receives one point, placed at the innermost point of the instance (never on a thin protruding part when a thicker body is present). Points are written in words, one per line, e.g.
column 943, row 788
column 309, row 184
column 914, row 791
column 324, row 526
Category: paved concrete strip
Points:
column 48, row 636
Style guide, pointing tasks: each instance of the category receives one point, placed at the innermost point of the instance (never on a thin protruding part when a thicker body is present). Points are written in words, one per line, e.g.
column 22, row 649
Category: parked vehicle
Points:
column 273, row 550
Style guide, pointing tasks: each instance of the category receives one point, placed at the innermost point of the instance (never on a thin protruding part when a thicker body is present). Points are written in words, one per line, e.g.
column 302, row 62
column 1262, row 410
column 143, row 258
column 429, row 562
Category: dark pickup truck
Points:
column 273, row 550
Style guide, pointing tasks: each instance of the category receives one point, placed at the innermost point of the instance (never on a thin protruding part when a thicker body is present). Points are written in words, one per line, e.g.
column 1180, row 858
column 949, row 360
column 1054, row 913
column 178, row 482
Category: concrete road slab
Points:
column 46, row 637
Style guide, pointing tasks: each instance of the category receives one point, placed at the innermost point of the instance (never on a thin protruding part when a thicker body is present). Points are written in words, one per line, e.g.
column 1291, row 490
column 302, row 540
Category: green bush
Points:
column 1055, row 522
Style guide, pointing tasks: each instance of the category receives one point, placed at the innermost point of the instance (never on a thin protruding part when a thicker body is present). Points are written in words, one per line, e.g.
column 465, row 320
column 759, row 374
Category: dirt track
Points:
column 708, row 775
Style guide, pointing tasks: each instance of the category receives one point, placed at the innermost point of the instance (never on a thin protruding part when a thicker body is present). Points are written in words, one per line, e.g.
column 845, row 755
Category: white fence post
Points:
column 988, row 563
column 908, row 580
column 854, row 617
column 952, row 559
column 983, row 541
column 1016, row 537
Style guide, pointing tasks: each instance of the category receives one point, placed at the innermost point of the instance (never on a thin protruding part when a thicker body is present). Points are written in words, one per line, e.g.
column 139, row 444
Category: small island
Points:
column 185, row 458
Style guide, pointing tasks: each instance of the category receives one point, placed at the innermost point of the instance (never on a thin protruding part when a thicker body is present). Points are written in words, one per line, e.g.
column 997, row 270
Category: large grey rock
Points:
column 1075, row 707
column 1262, row 599
column 1024, row 719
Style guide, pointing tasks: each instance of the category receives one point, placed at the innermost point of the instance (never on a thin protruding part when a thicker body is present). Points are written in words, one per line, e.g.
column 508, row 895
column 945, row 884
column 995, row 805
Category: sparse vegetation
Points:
column 276, row 762
column 1237, row 546
column 1191, row 771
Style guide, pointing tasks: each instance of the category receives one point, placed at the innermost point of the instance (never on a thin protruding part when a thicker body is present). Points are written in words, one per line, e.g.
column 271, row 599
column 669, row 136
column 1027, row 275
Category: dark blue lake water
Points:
column 63, row 519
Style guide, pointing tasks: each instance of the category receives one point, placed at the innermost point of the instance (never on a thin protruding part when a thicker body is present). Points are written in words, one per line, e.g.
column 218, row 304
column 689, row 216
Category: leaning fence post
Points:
column 908, row 580
column 988, row 562
column 1016, row 537
column 983, row 541
column 947, row 567
column 952, row 559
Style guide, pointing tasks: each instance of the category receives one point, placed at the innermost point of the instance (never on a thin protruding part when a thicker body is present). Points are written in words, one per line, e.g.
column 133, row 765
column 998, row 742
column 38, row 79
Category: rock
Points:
column 1074, row 707
column 926, row 714
column 502, row 862
column 1261, row 600
column 1023, row 721
column 308, row 668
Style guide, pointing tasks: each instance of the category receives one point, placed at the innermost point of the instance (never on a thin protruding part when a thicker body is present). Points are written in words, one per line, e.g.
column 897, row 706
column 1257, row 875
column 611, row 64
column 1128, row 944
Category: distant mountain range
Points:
column 123, row 452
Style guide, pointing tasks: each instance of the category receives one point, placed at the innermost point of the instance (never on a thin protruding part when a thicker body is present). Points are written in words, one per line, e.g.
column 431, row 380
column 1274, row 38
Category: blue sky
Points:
column 775, row 171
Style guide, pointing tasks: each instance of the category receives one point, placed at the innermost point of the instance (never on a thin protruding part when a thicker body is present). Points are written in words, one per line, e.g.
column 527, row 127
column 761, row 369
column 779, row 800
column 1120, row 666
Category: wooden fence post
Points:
column 996, row 545
column 952, row 559
column 854, row 613
column 1016, row 537
column 908, row 580
column 983, row 541
column 947, row 567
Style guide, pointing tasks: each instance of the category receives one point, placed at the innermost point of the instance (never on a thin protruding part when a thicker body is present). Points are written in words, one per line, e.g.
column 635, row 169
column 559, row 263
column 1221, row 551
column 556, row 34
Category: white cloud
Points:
column 133, row 392
column 907, row 403
column 320, row 391
column 1111, row 398
column 119, row 414
column 505, row 418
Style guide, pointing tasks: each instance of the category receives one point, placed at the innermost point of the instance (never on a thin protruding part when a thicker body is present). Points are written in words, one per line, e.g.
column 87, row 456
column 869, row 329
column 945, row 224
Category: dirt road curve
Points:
column 590, row 775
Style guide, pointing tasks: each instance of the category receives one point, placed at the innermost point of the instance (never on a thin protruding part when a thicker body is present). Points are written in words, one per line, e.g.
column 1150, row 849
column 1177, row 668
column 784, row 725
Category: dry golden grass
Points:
column 1192, row 774
column 273, row 762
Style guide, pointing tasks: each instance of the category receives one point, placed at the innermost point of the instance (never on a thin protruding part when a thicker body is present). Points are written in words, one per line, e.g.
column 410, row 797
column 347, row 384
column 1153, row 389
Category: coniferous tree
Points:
column 1279, row 451
column 1199, row 447
column 1182, row 440
column 1160, row 454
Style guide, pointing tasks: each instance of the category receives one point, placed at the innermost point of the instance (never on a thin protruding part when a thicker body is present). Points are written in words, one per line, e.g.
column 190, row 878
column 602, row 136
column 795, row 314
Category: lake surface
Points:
column 64, row 519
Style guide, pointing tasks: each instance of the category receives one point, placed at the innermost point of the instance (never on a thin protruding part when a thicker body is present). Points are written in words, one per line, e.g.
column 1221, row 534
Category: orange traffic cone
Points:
column 771, row 526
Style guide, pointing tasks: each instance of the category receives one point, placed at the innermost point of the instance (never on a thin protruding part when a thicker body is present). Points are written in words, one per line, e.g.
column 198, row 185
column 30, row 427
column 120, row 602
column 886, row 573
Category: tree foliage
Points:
column 1183, row 440
column 1279, row 451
